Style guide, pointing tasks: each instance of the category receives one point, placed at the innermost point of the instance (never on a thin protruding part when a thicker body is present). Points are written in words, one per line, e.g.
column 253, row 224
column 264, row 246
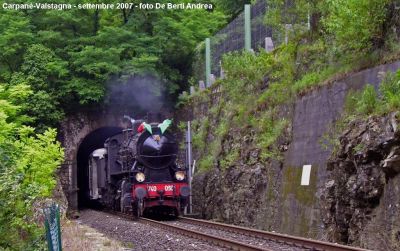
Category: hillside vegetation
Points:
column 344, row 36
column 27, row 165
column 68, row 57
column 54, row 63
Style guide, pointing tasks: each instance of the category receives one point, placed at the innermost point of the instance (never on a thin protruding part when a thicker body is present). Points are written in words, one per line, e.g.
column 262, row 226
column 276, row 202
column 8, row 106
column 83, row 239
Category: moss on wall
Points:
column 291, row 185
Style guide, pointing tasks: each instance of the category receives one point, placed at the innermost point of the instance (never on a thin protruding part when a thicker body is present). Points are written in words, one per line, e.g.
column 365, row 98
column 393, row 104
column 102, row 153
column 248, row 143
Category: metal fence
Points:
column 232, row 38
column 53, row 227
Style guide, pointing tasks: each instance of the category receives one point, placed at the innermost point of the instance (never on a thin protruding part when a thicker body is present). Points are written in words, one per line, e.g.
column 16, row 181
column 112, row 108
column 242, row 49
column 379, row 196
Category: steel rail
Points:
column 219, row 241
column 222, row 242
column 287, row 239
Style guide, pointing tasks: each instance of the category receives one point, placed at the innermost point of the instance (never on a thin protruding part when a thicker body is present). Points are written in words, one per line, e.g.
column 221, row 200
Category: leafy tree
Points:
column 231, row 8
column 16, row 35
column 43, row 72
column 68, row 57
column 27, row 165
column 355, row 25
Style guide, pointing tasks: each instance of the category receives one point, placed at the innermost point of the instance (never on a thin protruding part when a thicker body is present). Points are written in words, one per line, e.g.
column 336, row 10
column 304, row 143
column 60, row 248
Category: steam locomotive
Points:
column 136, row 172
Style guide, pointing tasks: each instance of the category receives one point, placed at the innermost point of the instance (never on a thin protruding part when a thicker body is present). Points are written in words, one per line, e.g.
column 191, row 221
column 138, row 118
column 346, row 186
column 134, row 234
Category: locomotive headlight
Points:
column 180, row 175
column 140, row 177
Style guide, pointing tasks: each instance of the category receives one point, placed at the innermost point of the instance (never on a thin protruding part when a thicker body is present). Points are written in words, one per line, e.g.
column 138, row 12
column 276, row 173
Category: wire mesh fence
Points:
column 53, row 228
column 259, row 31
column 232, row 38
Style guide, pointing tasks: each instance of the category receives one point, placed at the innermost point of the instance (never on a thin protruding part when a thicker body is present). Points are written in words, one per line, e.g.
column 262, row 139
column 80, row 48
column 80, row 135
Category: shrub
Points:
column 354, row 25
column 390, row 89
column 368, row 101
column 27, row 165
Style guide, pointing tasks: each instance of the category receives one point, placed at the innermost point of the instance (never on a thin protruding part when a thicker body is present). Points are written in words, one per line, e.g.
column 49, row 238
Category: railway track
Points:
column 240, row 238
column 284, row 240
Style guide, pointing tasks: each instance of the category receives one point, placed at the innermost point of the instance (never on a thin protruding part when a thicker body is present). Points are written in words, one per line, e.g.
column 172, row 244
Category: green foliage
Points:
column 270, row 129
column 344, row 35
column 206, row 163
column 370, row 102
column 358, row 148
column 281, row 12
column 390, row 90
column 98, row 63
column 242, row 109
column 222, row 129
column 200, row 128
column 355, row 25
column 27, row 165
column 182, row 99
column 230, row 158
column 240, row 70
column 341, row 37
column 68, row 57
column 231, row 8
column 16, row 35
column 314, row 78
column 182, row 126
column 348, row 26
column 364, row 103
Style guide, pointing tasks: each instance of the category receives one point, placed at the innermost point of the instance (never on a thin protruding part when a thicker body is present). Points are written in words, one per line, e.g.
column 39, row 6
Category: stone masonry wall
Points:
column 268, row 195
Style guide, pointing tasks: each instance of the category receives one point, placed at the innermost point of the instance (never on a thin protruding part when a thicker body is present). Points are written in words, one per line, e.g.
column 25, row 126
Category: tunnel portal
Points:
column 81, row 133
column 91, row 142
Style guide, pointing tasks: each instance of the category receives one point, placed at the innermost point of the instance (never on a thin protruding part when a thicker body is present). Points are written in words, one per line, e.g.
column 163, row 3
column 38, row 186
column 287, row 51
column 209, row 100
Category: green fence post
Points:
column 53, row 228
column 59, row 227
column 48, row 234
column 208, row 62
column 247, row 27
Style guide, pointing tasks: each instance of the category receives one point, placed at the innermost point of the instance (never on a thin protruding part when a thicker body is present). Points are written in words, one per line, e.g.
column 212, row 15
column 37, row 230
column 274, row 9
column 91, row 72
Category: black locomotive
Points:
column 136, row 172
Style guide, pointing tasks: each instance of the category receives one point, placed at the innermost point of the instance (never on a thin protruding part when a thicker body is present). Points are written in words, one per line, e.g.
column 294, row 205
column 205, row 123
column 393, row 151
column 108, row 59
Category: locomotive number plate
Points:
column 152, row 188
column 169, row 188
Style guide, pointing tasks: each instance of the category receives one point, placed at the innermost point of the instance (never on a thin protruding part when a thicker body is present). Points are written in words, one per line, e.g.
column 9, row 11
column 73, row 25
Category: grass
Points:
column 313, row 79
column 363, row 104
column 79, row 237
column 372, row 102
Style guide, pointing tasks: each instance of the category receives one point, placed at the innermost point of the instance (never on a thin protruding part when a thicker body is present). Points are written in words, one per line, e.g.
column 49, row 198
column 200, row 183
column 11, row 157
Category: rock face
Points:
column 360, row 197
column 267, row 194
column 242, row 197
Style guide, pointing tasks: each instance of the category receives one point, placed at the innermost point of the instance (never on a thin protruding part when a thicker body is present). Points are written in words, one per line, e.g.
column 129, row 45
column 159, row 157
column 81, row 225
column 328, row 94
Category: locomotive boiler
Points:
column 137, row 172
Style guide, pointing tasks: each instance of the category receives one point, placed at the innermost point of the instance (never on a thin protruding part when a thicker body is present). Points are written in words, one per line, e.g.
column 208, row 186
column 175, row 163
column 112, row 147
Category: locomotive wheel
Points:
column 121, row 205
column 140, row 208
column 124, row 199
column 134, row 209
column 137, row 208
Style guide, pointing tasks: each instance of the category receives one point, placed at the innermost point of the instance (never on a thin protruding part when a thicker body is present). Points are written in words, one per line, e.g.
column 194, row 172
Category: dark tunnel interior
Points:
column 91, row 142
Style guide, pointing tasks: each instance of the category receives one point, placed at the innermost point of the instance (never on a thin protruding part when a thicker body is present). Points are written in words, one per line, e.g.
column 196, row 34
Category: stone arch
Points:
column 73, row 131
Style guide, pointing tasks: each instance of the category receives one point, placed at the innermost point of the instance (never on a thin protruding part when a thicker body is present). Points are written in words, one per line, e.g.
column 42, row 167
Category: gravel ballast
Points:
column 140, row 236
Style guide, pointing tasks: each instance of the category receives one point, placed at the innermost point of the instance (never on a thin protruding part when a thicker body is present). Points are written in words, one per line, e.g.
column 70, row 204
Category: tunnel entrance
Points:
column 91, row 142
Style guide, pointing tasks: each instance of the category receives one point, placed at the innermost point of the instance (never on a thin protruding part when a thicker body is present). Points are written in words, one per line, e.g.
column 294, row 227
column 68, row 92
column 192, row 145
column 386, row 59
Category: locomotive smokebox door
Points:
column 157, row 150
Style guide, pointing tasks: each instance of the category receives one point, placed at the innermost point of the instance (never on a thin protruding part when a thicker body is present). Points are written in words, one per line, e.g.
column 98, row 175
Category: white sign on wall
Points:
column 305, row 176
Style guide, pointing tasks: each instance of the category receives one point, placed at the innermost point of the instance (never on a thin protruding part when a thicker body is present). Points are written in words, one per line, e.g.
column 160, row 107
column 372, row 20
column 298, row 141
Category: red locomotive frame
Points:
column 161, row 194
